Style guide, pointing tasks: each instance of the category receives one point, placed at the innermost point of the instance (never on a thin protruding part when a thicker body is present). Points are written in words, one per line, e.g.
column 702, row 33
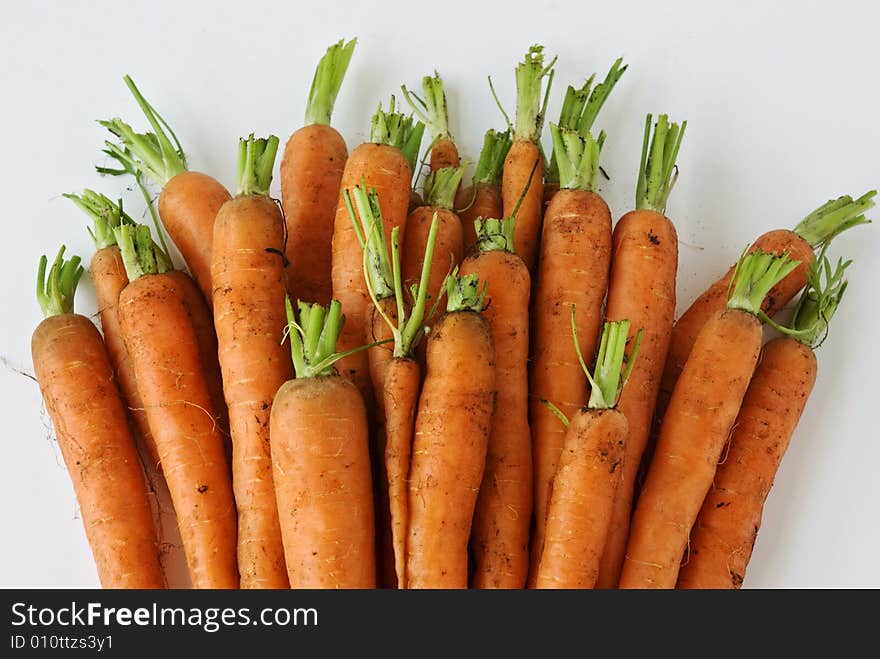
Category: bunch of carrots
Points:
column 392, row 378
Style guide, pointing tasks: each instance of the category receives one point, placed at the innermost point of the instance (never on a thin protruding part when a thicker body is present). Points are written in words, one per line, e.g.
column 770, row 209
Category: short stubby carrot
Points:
column 76, row 380
column 701, row 413
column 311, row 173
column 482, row 198
column 433, row 111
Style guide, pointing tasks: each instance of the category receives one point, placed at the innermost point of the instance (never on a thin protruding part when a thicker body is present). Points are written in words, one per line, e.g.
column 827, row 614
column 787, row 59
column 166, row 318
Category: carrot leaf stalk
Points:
column 140, row 254
column 530, row 109
column 256, row 158
column 56, row 291
column 463, row 292
column 613, row 366
column 658, row 172
column 576, row 156
column 105, row 213
column 834, row 217
column 158, row 154
column 496, row 144
column 441, row 186
column 398, row 130
column 431, row 110
column 378, row 273
column 495, row 235
column 755, row 274
column 329, row 75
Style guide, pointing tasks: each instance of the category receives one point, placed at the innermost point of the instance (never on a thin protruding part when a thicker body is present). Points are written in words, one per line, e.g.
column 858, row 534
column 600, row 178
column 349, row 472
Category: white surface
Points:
column 781, row 102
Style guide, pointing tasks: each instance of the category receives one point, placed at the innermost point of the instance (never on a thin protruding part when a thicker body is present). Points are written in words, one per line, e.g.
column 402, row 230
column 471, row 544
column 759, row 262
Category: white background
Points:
column 781, row 100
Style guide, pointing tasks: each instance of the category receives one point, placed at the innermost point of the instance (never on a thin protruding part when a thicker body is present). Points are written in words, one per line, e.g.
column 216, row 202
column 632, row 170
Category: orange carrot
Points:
column 642, row 289
column 582, row 496
column 249, row 289
column 483, row 197
column 451, row 437
column 701, row 413
column 311, row 173
column 321, row 461
column 500, row 535
column 76, row 379
column 725, row 531
column 160, row 336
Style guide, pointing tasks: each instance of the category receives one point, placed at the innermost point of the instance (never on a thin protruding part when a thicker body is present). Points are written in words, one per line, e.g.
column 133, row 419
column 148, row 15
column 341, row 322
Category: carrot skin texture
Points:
column 486, row 203
column 444, row 153
column 701, row 413
column 164, row 347
column 321, row 467
column 514, row 178
column 448, row 247
column 249, row 287
column 642, row 290
column 450, row 441
column 76, row 380
column 724, row 534
column 385, row 169
column 109, row 277
column 573, row 269
column 311, row 174
column 582, row 499
column 188, row 204
column 500, row 535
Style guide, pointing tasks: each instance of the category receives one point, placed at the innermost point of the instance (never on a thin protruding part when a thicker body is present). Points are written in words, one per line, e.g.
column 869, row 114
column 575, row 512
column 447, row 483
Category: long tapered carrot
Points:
column 500, row 534
column 168, row 360
column 701, row 414
column 189, row 200
column 433, row 111
column 76, row 380
column 575, row 257
column 249, row 290
column 642, row 289
column 724, row 534
column 384, row 164
column 525, row 152
column 321, row 461
column 482, row 198
column 586, row 481
column 311, row 173
column 450, row 440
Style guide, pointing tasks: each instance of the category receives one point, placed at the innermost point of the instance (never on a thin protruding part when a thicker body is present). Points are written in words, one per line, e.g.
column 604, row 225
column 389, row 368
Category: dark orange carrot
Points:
column 189, row 201
column 451, row 437
column 321, row 461
column 483, row 197
column 76, row 379
column 585, row 484
column 701, row 414
column 725, row 531
column 642, row 289
column 160, row 336
column 249, row 290
column 432, row 110
column 525, row 152
column 311, row 173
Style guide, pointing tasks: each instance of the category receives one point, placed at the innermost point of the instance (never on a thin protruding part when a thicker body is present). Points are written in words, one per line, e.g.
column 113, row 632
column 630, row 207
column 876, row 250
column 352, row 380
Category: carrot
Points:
column 500, row 534
column 483, row 197
column 642, row 289
column 249, row 289
column 160, row 335
column 525, row 152
column 725, row 531
column 384, row 164
column 311, row 173
column 189, row 201
column 432, row 110
column 321, row 461
column 451, row 437
column 582, row 497
column 573, row 269
column 816, row 230
column 76, row 379
column 701, row 414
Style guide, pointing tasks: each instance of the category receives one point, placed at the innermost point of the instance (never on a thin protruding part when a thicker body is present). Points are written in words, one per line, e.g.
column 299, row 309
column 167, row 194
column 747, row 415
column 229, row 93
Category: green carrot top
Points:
column 56, row 291
column 463, row 293
column 395, row 129
column 657, row 171
column 496, row 144
column 106, row 215
column 756, row 273
column 140, row 254
column 432, row 110
column 327, row 81
column 834, row 217
column 530, row 109
column 256, row 158
column 613, row 366
column 577, row 158
column 495, row 235
column 440, row 186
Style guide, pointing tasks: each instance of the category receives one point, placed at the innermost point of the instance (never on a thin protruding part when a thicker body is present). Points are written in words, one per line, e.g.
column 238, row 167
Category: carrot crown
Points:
column 530, row 109
column 256, row 158
column 658, row 172
column 398, row 130
column 140, row 255
column 432, row 109
column 327, row 81
column 613, row 366
column 834, row 217
column 496, row 144
column 55, row 293
column 495, row 235
column 313, row 337
column 577, row 157
column 157, row 154
column 441, row 186
column 463, row 292
column 370, row 232
column 105, row 213
column 755, row 275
